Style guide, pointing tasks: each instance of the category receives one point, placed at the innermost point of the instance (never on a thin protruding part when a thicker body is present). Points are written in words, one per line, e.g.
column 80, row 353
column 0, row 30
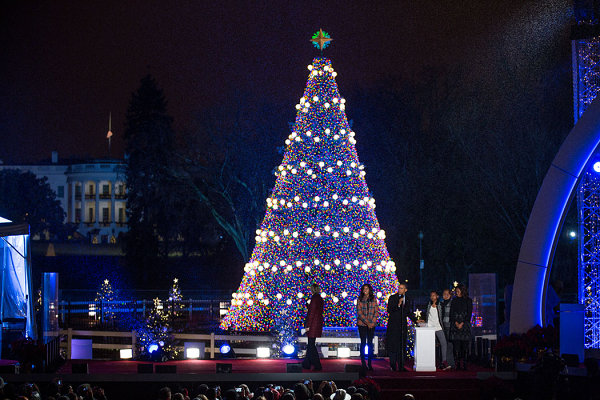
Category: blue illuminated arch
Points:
column 546, row 219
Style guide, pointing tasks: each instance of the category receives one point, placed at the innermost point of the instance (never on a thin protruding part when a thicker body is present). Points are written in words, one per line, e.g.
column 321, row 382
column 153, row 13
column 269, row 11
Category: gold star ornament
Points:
column 321, row 39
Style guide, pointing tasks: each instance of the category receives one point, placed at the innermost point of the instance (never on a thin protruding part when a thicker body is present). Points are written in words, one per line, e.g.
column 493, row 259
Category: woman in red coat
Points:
column 314, row 328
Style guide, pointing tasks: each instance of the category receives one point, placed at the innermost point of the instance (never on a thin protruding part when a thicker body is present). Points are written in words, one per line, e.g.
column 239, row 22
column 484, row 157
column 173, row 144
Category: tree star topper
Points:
column 321, row 39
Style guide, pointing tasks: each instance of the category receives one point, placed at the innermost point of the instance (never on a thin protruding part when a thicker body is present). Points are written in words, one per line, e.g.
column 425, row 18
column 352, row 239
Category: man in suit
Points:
column 314, row 328
column 399, row 308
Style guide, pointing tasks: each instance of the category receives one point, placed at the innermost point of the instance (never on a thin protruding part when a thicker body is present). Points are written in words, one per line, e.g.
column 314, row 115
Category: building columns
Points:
column 97, row 206
column 73, row 219
column 112, row 203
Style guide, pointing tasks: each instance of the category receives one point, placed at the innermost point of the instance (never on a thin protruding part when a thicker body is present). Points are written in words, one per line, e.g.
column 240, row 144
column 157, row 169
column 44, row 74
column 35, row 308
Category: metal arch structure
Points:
column 586, row 86
column 546, row 220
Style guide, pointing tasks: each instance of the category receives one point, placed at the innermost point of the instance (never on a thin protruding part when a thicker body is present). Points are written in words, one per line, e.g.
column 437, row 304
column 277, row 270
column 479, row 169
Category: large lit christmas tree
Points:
column 320, row 224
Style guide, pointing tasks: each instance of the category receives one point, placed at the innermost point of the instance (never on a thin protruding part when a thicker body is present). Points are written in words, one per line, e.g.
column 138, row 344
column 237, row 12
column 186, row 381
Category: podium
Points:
column 424, row 349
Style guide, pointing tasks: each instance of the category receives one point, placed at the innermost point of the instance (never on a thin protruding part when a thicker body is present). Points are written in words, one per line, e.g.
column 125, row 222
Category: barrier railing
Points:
column 241, row 344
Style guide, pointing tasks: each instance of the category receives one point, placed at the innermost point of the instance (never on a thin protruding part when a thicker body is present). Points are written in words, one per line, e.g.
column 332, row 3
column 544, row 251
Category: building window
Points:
column 78, row 190
column 121, row 215
column 61, row 192
column 91, row 189
column 105, row 214
column 90, row 214
column 105, row 189
column 78, row 215
column 121, row 189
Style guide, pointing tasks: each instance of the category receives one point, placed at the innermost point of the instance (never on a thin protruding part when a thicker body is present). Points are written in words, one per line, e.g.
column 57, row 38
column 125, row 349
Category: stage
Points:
column 117, row 376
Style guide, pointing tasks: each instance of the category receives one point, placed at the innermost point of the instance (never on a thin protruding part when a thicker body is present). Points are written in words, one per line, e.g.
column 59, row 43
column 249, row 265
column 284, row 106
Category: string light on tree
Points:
column 323, row 217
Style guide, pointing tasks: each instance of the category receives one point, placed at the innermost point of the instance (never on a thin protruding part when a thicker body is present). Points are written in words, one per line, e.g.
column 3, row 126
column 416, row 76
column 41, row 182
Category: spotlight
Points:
column 572, row 234
column 225, row 349
column 152, row 348
column 263, row 352
column 597, row 166
column 366, row 349
column 192, row 352
column 125, row 354
column 289, row 350
column 343, row 352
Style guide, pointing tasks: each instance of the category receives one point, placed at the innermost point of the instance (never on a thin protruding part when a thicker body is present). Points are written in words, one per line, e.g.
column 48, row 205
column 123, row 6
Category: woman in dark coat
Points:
column 460, row 325
column 314, row 328
column 399, row 308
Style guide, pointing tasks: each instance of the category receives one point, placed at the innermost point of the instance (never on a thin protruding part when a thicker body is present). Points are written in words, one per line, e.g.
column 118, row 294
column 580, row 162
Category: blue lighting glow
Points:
column 366, row 349
column 225, row 348
column 152, row 348
column 288, row 349
column 585, row 85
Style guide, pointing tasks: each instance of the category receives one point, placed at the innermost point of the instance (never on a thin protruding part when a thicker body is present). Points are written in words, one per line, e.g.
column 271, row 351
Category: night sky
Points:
column 66, row 65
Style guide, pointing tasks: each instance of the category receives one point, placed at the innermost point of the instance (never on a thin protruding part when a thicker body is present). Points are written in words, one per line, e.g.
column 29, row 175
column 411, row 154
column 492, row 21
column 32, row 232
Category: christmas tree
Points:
column 320, row 224
column 175, row 304
column 105, row 297
column 155, row 338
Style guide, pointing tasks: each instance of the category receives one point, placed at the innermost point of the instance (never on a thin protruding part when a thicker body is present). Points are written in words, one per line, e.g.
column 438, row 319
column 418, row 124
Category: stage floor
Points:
column 114, row 374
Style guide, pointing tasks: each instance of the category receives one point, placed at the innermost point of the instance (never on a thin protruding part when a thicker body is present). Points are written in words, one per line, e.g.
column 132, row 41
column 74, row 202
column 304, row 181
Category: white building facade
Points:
column 92, row 194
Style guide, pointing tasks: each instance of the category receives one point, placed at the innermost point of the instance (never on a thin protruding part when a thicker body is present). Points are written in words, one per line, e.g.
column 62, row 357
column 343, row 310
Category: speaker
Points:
column 352, row 368
column 80, row 368
column 293, row 367
column 9, row 369
column 224, row 368
column 165, row 369
column 145, row 368
column 572, row 360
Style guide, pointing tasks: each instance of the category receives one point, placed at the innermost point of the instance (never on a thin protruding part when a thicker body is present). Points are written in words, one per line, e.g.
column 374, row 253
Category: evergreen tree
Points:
column 320, row 225
column 150, row 146
column 175, row 305
column 26, row 198
column 155, row 339
column 104, row 298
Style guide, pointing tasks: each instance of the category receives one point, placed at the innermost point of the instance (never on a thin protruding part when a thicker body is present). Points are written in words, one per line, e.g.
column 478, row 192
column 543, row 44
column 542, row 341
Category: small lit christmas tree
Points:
column 105, row 297
column 175, row 304
column 320, row 225
column 155, row 340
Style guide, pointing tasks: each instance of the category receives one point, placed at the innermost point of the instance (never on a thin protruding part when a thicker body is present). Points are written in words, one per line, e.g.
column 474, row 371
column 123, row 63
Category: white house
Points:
column 92, row 193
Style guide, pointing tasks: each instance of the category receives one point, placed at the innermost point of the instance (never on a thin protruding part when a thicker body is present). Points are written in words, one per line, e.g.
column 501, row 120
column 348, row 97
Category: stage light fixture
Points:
column 597, row 166
column 289, row 350
column 263, row 352
column 152, row 348
column 192, row 353
column 225, row 349
column 125, row 354
column 343, row 352
column 366, row 349
column 572, row 234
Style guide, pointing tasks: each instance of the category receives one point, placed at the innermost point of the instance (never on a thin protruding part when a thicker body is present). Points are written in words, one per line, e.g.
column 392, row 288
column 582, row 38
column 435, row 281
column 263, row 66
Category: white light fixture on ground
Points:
column 343, row 352
column 192, row 352
column 125, row 354
column 263, row 352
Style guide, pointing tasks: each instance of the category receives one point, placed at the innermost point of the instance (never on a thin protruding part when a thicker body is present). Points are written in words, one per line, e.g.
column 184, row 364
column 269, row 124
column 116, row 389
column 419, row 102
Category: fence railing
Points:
column 241, row 344
column 193, row 315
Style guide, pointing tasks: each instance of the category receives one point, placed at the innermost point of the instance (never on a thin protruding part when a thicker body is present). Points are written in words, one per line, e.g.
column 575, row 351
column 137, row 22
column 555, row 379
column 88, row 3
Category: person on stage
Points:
column 445, row 305
column 433, row 319
column 313, row 324
column 367, row 314
column 399, row 308
column 460, row 325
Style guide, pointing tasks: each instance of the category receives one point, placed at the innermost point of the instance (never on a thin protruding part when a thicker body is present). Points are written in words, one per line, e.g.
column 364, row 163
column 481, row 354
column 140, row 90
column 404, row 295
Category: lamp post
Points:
column 421, row 262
